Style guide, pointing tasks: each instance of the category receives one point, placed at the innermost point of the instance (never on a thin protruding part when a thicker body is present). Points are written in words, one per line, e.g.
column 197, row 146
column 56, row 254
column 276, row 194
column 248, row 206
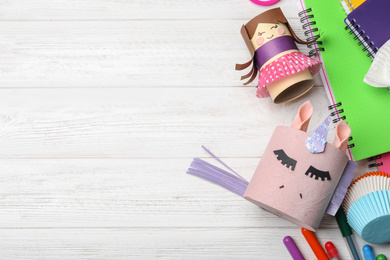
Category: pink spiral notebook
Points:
column 382, row 162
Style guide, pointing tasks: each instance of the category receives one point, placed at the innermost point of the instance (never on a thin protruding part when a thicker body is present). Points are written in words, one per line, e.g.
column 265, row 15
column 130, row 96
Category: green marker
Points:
column 381, row 257
column 347, row 233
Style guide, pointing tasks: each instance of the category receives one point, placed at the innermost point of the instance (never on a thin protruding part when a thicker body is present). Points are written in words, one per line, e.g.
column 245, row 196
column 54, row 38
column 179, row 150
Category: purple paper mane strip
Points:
column 232, row 182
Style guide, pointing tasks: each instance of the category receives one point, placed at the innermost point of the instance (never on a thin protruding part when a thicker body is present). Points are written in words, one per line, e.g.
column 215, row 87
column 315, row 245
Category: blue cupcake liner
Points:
column 369, row 216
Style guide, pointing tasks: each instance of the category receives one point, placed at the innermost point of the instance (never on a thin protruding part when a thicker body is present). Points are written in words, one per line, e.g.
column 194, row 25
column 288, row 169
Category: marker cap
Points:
column 332, row 250
column 368, row 254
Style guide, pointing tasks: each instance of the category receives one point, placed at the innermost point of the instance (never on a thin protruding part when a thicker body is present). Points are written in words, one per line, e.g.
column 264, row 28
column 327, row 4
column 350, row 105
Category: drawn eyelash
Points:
column 317, row 173
column 285, row 160
column 260, row 33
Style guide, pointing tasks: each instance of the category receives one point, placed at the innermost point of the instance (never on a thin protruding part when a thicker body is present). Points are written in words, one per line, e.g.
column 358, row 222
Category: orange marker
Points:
column 314, row 244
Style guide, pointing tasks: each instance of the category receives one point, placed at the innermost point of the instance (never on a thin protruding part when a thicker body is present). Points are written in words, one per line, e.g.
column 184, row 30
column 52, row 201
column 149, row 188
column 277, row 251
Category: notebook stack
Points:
column 345, row 63
column 348, row 44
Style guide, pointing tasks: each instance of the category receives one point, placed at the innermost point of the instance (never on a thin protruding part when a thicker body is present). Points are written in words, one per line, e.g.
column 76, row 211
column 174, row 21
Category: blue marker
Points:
column 368, row 254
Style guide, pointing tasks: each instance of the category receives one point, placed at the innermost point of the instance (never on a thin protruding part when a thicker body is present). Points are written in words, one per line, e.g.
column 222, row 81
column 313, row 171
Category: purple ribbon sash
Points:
column 272, row 48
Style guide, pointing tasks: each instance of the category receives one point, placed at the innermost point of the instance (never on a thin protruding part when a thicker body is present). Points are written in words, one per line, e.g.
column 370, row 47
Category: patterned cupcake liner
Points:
column 365, row 184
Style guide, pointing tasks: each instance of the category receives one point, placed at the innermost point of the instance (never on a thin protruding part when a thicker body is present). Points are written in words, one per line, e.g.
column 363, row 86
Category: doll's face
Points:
column 266, row 32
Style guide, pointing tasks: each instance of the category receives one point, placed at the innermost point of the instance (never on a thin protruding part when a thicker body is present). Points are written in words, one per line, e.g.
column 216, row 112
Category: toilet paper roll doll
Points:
column 284, row 73
column 299, row 177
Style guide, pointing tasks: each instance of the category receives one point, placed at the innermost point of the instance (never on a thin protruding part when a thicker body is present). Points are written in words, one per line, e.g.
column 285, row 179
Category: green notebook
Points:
column 366, row 109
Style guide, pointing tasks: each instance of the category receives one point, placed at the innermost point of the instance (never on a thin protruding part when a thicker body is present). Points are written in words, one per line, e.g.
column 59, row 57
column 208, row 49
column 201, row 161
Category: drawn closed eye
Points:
column 260, row 33
column 285, row 159
column 275, row 26
column 317, row 173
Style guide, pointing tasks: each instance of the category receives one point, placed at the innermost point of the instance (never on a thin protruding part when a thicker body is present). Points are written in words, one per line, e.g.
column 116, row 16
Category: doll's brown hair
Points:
column 247, row 31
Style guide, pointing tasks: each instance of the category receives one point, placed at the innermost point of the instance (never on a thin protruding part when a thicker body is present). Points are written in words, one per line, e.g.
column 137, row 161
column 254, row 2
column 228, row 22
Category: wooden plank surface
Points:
column 103, row 105
column 82, row 10
column 126, row 54
column 149, row 192
column 151, row 243
column 141, row 122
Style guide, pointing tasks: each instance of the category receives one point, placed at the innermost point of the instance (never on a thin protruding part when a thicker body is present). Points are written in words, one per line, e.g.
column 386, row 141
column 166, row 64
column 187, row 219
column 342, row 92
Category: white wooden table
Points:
column 103, row 105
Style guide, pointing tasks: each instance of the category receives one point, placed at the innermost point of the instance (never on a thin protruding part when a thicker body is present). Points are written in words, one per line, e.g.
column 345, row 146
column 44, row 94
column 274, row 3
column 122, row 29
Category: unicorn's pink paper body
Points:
column 301, row 192
column 294, row 183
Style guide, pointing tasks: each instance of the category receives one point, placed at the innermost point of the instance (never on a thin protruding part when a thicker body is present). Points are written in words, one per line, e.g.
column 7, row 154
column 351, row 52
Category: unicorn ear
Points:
column 342, row 134
column 302, row 119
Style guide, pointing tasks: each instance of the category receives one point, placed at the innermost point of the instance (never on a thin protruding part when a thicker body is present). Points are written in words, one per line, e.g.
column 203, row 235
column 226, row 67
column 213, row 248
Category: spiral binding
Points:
column 306, row 17
column 341, row 117
column 337, row 112
column 355, row 29
column 350, row 5
column 374, row 164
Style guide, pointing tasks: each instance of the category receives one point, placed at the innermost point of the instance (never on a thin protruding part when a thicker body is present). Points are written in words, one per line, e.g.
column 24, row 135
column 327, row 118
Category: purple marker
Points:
column 292, row 248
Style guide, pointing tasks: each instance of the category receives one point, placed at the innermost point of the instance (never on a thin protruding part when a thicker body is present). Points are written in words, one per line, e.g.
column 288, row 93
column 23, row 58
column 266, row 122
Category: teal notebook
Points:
column 366, row 109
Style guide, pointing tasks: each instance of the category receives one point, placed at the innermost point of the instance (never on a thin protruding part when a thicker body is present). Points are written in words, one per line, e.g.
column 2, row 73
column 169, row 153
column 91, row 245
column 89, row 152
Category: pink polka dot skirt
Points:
column 285, row 66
